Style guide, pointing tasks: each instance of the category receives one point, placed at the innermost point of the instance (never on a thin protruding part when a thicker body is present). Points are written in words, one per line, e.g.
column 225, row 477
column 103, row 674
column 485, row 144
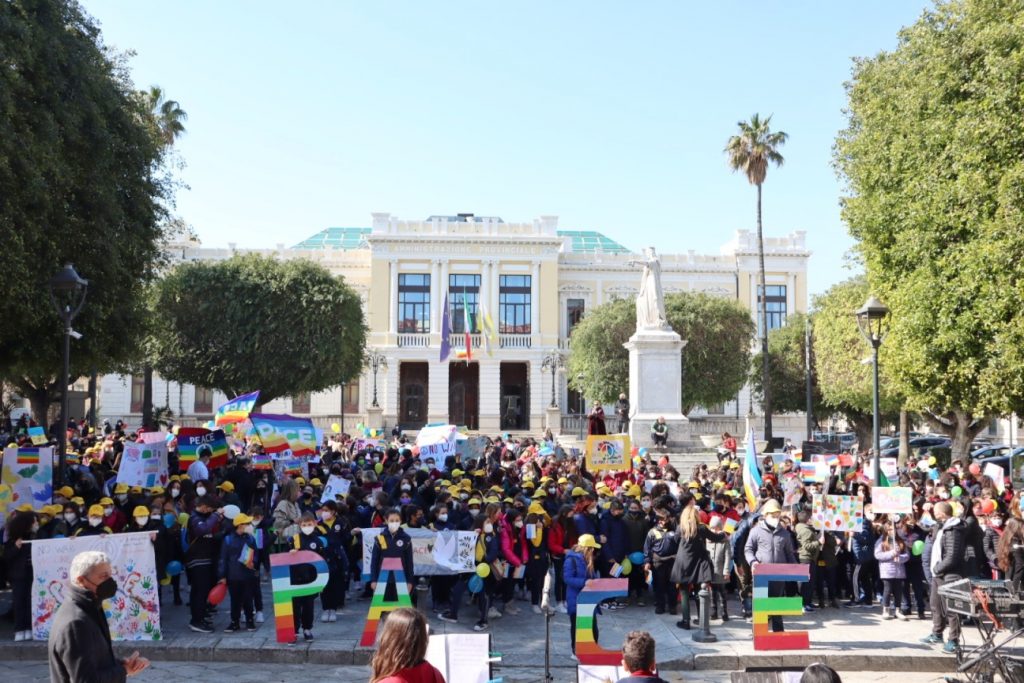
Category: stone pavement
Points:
column 847, row 639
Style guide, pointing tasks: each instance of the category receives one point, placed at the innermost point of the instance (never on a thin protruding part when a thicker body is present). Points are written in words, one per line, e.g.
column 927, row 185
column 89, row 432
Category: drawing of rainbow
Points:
column 284, row 591
column 389, row 566
column 587, row 650
column 765, row 607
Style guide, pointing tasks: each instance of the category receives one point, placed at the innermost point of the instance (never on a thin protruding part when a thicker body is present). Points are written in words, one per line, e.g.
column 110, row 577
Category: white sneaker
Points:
column 259, row 618
column 562, row 608
column 325, row 617
column 19, row 636
column 901, row 616
column 511, row 609
column 334, row 615
column 536, row 609
column 493, row 613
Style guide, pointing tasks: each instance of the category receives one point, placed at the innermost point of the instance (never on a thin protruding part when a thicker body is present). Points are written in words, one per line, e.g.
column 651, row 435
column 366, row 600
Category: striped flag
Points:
column 751, row 475
column 467, row 322
column 488, row 329
column 446, row 331
column 248, row 557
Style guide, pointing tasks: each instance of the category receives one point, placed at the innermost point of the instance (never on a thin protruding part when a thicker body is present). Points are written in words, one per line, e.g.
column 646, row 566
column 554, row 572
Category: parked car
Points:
column 1001, row 460
column 990, row 451
column 917, row 443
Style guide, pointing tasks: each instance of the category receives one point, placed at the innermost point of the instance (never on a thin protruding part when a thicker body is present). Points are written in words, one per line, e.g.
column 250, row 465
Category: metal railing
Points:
column 574, row 423
column 413, row 340
column 515, row 341
column 458, row 341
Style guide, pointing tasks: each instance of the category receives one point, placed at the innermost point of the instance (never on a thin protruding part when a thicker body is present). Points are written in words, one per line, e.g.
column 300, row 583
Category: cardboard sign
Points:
column 437, row 442
column 143, row 464
column 391, row 567
column 837, row 513
column 892, row 500
column 890, row 469
column 608, row 452
column 336, row 486
column 28, row 474
column 461, row 656
column 433, row 552
column 995, row 472
column 38, row 436
column 284, row 590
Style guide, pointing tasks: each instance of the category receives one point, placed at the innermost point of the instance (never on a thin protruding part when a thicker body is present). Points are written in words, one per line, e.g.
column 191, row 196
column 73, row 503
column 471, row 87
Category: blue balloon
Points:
column 636, row 558
column 169, row 519
column 174, row 568
column 476, row 584
column 643, row 452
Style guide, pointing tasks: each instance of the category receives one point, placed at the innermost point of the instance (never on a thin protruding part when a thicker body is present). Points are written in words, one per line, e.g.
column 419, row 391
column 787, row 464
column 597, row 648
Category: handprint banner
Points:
column 134, row 611
column 28, row 475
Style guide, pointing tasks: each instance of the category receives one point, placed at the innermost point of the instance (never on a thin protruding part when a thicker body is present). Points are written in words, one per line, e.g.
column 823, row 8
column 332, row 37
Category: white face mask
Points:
column 247, row 528
column 201, row 491
column 308, row 530
column 463, row 496
column 122, row 497
column 175, row 493
column 155, row 517
column 108, row 511
column 442, row 518
column 772, row 522
column 995, row 523
column 645, row 504
column 406, row 487
column 95, row 521
column 141, row 521
column 71, row 518
column 394, row 526
column 474, row 512
column 488, row 528
column 519, row 524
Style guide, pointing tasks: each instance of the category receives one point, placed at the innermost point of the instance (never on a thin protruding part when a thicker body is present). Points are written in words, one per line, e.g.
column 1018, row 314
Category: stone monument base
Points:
column 656, row 385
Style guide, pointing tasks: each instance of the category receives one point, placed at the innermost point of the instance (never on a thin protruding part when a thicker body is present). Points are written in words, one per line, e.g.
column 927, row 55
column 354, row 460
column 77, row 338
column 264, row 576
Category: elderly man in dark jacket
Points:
column 770, row 543
column 79, row 647
column 947, row 564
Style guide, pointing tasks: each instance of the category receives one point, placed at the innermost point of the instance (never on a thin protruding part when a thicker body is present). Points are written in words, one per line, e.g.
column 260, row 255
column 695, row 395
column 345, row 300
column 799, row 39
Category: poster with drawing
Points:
column 134, row 611
column 837, row 513
column 28, row 473
column 336, row 486
column 143, row 464
column 432, row 552
column 892, row 500
column 608, row 452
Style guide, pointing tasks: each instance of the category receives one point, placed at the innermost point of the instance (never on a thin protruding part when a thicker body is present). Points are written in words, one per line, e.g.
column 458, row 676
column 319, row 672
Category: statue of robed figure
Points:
column 650, row 300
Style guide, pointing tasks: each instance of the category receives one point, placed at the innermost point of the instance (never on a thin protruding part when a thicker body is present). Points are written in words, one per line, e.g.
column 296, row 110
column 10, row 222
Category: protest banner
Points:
column 433, row 552
column 38, row 436
column 608, row 452
column 837, row 513
column 132, row 614
column 766, row 607
column 143, row 464
column 472, row 448
column 814, row 472
column 587, row 650
column 995, row 472
column 285, row 436
column 336, row 486
column 462, row 657
column 236, row 410
column 792, row 490
column 28, row 472
column 892, row 500
column 284, row 590
column 153, row 437
column 193, row 440
column 390, row 568
column 437, row 441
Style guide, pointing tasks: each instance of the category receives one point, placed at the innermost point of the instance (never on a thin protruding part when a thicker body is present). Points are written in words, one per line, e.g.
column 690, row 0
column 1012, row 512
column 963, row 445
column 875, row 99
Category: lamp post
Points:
column 67, row 292
column 554, row 363
column 871, row 321
column 343, row 386
column 583, row 405
column 376, row 360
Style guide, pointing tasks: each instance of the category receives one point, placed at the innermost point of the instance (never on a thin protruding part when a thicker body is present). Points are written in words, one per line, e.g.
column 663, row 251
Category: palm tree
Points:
column 751, row 151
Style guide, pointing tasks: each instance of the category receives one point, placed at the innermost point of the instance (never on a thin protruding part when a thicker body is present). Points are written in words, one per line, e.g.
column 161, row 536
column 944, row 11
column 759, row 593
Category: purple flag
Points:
column 446, row 330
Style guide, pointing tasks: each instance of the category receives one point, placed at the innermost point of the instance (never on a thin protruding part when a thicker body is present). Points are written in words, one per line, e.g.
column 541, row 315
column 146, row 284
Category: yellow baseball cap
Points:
column 78, row 500
column 140, row 511
column 25, row 507
column 588, row 541
column 242, row 518
column 540, row 493
column 226, row 486
column 474, row 501
column 121, row 488
column 66, row 492
column 106, row 501
column 312, row 482
column 97, row 511
column 577, row 492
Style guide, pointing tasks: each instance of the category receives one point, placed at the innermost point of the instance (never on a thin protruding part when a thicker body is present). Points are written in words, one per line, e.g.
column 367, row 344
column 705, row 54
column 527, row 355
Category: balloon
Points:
column 174, row 568
column 918, row 547
column 975, row 469
column 636, row 558
column 231, row 511
column 988, row 506
column 228, row 428
column 366, row 433
column 335, row 427
column 217, row 594
column 476, row 584
column 183, row 519
column 956, row 491
column 378, row 467
column 958, row 509
column 634, row 450
column 169, row 519
column 627, row 567
column 932, row 461
column 483, row 570
column 169, row 438
column 166, row 581
column 643, row 452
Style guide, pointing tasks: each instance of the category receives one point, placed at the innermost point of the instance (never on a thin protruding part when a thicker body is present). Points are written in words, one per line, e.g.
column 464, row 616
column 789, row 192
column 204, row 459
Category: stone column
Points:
column 436, row 298
column 393, row 298
column 535, row 302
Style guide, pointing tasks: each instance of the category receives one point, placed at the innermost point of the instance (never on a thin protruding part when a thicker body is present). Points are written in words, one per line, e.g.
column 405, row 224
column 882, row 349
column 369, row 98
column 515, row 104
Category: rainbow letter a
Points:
column 390, row 566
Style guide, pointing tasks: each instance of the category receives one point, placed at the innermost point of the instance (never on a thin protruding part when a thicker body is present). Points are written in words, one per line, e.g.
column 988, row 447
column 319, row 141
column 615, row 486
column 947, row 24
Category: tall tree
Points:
column 81, row 180
column 253, row 322
column 751, row 152
column 931, row 158
column 717, row 353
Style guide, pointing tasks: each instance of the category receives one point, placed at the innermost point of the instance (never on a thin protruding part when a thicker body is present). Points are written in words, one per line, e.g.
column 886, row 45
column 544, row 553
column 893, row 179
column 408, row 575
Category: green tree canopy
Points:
column 81, row 181
column 787, row 369
column 715, row 360
column 254, row 322
column 932, row 161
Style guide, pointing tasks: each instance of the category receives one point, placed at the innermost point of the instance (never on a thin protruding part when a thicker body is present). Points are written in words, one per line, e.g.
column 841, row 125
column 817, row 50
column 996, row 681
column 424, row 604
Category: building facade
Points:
column 532, row 279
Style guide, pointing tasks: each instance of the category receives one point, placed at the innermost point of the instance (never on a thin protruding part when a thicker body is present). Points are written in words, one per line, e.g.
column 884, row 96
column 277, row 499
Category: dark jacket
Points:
column 79, row 648
column 660, row 546
column 951, row 549
column 616, row 544
column 636, row 530
column 864, row 544
column 387, row 545
column 693, row 564
column 230, row 566
column 642, row 679
column 975, row 563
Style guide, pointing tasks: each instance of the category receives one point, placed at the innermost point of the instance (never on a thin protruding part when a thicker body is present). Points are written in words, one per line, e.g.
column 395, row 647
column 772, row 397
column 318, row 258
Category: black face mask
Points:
column 106, row 589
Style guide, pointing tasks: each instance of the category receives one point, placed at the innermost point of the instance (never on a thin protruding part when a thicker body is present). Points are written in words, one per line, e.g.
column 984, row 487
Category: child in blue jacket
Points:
column 579, row 568
column 238, row 566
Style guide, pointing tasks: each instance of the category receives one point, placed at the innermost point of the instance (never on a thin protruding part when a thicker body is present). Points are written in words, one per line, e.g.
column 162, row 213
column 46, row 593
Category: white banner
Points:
column 433, row 552
column 437, row 442
column 133, row 613
column 143, row 464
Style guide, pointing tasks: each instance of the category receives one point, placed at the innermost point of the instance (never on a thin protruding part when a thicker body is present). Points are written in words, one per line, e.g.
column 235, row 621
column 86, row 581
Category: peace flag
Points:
column 28, row 456
column 236, row 410
column 751, row 476
column 467, row 323
column 247, row 557
column 280, row 433
column 193, row 440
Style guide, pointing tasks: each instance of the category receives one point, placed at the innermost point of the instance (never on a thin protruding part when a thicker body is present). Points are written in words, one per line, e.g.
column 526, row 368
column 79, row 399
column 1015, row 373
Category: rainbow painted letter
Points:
column 284, row 590
column 765, row 607
column 587, row 649
column 390, row 566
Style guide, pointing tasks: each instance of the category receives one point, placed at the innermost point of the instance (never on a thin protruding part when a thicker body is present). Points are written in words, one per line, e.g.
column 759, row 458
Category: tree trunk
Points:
column 863, row 426
column 904, row 437
column 147, row 397
column 763, row 296
column 961, row 427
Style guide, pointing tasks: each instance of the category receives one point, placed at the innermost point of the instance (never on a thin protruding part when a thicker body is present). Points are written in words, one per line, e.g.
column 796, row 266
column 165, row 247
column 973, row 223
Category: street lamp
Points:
column 583, row 404
column 554, row 363
column 376, row 360
column 871, row 321
column 67, row 292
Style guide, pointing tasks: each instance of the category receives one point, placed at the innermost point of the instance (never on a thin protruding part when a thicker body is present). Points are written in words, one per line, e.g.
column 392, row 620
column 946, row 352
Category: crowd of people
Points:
column 538, row 510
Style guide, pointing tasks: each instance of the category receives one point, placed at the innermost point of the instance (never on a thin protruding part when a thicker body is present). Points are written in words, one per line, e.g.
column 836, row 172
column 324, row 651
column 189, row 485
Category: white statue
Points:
column 650, row 300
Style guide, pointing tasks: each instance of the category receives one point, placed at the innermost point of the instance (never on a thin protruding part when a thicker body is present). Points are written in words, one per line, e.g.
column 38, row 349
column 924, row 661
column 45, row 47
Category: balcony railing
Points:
column 515, row 341
column 458, row 341
column 413, row 341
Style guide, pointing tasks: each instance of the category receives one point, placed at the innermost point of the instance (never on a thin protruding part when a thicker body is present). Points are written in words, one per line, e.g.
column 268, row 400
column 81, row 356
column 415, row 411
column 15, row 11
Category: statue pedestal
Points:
column 375, row 417
column 656, row 385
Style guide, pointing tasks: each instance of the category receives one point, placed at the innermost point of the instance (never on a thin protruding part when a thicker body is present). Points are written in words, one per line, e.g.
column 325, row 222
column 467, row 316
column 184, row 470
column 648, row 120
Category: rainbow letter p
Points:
column 284, row 590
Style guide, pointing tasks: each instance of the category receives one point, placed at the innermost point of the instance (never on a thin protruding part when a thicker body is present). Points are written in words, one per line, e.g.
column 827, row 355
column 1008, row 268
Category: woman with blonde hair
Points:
column 692, row 567
column 401, row 650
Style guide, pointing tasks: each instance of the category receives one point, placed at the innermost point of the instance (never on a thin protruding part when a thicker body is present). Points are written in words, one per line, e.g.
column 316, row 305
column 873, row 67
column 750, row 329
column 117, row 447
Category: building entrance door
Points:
column 515, row 397
column 412, row 395
column 464, row 394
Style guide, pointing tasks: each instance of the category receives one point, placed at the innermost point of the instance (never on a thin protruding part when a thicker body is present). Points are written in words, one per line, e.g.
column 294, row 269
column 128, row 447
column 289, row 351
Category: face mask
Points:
column 393, row 526
column 552, row 490
column 122, row 497
column 257, row 522
column 95, row 521
column 142, row 521
column 406, row 487
column 442, row 518
column 646, row 505
column 463, row 496
column 35, row 527
column 473, row 512
column 404, row 500
column 772, row 522
column 106, row 589
column 169, row 520
column 519, row 524
column 635, row 513
column 201, row 491
column 995, row 523
column 308, row 530
column 326, row 516
column 488, row 528
column 870, row 516
column 108, row 511
column 944, row 495
column 593, row 509
column 246, row 528
column 71, row 517
column 175, row 493
column 740, row 511
column 155, row 516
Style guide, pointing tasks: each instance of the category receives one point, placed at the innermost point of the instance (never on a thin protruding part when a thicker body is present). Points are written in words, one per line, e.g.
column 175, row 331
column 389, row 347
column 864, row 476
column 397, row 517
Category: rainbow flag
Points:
column 751, row 475
column 248, row 557
column 262, row 461
column 192, row 439
column 236, row 410
column 285, row 436
column 258, row 534
column 28, row 456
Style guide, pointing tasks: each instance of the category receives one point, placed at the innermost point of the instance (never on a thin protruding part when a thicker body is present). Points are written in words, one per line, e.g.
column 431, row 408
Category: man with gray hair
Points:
column 79, row 648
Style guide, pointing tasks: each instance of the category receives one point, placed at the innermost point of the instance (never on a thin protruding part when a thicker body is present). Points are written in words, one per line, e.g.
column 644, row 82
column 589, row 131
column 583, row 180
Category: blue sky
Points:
column 611, row 115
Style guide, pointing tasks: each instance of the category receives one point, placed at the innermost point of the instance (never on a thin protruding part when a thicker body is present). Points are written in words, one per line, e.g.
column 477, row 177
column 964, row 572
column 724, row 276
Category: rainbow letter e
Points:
column 389, row 566
column 765, row 607
column 587, row 649
column 284, row 590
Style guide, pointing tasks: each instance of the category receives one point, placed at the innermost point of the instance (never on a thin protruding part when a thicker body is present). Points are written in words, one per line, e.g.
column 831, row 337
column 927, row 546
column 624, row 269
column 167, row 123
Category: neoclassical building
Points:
column 532, row 279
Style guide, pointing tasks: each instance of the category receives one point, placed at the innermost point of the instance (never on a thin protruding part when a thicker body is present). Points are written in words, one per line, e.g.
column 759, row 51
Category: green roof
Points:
column 581, row 241
column 590, row 241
